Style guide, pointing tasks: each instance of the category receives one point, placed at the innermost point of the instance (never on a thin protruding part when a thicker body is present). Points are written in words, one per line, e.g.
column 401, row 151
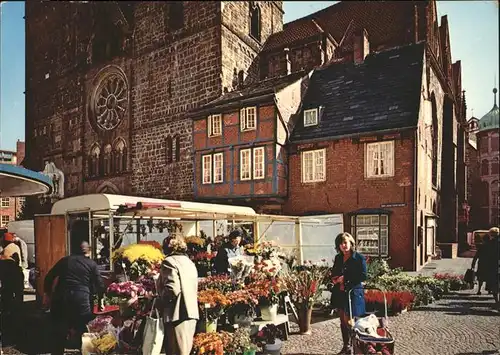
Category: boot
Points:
column 346, row 349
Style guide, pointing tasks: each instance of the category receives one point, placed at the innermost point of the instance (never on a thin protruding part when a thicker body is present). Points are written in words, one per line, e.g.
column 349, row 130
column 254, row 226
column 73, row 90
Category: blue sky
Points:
column 473, row 31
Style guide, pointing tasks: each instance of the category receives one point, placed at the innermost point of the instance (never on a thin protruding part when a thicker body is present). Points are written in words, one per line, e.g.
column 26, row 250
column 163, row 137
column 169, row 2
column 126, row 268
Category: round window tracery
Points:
column 110, row 101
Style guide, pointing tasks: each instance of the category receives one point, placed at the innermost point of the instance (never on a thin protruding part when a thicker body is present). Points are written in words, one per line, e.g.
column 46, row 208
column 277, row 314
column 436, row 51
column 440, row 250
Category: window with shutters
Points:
column 207, row 169
column 245, row 164
column 380, row 159
column 248, row 118
column 214, row 125
column 311, row 117
column 258, row 163
column 314, row 165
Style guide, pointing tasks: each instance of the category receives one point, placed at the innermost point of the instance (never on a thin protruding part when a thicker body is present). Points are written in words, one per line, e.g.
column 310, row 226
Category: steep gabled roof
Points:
column 258, row 91
column 387, row 22
column 382, row 93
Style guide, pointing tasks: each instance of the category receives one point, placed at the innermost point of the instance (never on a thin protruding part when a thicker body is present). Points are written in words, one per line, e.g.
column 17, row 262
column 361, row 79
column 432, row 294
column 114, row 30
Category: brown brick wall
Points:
column 346, row 190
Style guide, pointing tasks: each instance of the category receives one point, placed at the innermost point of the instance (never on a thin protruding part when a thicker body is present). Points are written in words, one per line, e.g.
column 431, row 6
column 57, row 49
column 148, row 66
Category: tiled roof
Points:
column 261, row 88
column 387, row 22
column 382, row 93
column 295, row 31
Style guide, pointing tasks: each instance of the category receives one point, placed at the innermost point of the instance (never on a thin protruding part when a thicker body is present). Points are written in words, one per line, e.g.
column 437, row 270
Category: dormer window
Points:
column 248, row 118
column 214, row 125
column 310, row 117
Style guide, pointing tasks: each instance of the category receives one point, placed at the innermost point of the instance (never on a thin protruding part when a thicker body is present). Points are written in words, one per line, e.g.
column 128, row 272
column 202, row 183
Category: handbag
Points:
column 469, row 276
column 153, row 333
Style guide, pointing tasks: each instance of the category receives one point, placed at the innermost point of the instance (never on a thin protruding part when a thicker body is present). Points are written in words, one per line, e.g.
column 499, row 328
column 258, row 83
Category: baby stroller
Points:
column 362, row 343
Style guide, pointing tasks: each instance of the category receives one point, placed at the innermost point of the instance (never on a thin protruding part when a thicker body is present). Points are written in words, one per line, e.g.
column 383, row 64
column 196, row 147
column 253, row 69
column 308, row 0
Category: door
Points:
column 430, row 229
column 50, row 246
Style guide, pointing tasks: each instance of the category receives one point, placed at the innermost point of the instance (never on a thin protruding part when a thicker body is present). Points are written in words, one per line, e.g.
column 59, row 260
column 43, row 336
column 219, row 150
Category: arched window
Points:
column 241, row 78
column 169, row 149
column 434, row 137
column 107, row 159
column 95, row 154
column 177, row 148
column 120, row 156
column 494, row 166
column 485, row 168
column 255, row 22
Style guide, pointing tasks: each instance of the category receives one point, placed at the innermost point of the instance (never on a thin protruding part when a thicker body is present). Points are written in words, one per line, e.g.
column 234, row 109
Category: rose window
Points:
column 110, row 102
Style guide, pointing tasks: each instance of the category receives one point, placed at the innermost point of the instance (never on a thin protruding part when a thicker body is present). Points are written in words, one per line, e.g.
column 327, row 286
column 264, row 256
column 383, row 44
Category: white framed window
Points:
column 214, row 125
column 218, row 167
column 22, row 200
column 5, row 202
column 207, row 169
column 371, row 233
column 248, row 118
column 380, row 159
column 245, row 164
column 310, row 117
column 4, row 221
column 314, row 165
column 259, row 163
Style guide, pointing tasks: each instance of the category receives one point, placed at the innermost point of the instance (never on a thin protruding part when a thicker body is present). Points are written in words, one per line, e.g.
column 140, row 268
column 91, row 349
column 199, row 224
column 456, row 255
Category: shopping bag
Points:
column 469, row 277
column 153, row 333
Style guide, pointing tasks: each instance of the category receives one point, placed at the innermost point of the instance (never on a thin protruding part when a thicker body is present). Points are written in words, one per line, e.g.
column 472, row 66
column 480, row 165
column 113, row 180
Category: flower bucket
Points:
column 273, row 349
column 305, row 315
column 249, row 352
column 243, row 320
column 269, row 313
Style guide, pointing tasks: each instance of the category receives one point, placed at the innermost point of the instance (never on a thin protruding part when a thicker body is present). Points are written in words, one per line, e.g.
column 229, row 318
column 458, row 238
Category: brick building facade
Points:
column 202, row 100
column 108, row 86
column 11, row 206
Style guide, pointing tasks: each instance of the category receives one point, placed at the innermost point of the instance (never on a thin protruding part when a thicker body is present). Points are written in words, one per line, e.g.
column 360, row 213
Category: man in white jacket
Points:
column 179, row 297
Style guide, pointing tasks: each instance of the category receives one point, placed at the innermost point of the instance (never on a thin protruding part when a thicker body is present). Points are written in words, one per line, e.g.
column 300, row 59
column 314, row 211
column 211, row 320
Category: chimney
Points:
column 288, row 62
column 361, row 46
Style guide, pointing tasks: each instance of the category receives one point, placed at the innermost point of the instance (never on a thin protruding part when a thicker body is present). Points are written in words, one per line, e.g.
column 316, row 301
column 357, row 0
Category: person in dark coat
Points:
column 12, row 296
column 480, row 256
column 78, row 278
column 349, row 271
column 492, row 264
column 229, row 250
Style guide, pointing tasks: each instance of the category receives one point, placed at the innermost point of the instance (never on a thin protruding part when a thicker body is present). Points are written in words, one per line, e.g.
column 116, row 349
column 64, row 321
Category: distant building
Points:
column 10, row 206
column 487, row 137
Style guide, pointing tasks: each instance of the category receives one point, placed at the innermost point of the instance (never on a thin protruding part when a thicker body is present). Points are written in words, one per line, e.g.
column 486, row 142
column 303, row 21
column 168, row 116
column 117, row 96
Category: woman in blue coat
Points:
column 349, row 271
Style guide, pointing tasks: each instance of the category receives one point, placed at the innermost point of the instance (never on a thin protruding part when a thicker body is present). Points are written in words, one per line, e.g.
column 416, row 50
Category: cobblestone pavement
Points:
column 460, row 324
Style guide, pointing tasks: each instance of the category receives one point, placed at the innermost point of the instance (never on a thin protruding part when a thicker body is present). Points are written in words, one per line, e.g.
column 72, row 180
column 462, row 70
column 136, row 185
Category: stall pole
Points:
column 214, row 228
column 298, row 241
column 256, row 233
column 138, row 229
column 111, row 240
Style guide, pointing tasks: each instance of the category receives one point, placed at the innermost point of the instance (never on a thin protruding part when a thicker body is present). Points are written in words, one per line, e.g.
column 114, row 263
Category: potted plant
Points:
column 240, row 343
column 306, row 283
column 267, row 292
column 242, row 306
column 269, row 339
column 212, row 304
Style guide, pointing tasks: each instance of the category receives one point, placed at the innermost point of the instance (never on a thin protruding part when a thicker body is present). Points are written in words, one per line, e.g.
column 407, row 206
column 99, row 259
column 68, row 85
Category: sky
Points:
column 473, row 35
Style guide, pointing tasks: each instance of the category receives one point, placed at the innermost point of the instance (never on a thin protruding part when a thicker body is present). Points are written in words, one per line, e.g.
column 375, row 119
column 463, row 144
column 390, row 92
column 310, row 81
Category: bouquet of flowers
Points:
column 240, row 342
column 243, row 302
column 306, row 282
column 221, row 283
column 267, row 268
column 99, row 324
column 266, row 290
column 106, row 343
column 212, row 304
column 241, row 266
column 127, row 290
column 203, row 261
column 139, row 259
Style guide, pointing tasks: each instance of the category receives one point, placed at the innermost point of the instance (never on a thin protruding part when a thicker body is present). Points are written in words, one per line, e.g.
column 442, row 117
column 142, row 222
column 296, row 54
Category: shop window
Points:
column 371, row 233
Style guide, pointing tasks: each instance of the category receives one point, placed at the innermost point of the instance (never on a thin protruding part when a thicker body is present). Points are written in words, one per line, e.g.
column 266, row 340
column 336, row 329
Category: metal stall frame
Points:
column 107, row 206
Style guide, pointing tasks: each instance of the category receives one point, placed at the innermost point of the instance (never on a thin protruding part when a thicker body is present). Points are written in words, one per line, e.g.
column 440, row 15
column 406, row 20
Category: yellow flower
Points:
column 136, row 252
